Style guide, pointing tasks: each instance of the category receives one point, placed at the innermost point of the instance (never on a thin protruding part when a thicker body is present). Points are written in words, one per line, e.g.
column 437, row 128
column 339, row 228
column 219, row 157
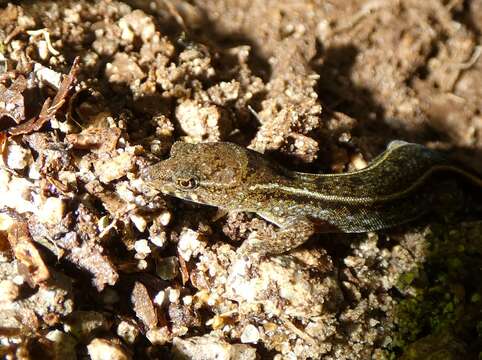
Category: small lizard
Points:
column 395, row 188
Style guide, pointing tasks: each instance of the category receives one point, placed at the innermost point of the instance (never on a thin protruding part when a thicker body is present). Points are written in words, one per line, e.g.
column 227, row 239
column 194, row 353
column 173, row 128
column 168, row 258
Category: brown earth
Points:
column 94, row 263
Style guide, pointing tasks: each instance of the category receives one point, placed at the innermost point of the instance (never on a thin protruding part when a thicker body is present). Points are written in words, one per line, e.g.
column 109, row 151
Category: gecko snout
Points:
column 158, row 173
column 147, row 173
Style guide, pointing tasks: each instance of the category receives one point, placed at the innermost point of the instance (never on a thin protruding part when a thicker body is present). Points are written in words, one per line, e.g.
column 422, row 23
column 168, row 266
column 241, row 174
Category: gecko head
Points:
column 206, row 173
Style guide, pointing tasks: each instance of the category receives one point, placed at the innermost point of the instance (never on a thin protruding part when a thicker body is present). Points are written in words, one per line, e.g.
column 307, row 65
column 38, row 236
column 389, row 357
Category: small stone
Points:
column 102, row 349
column 168, row 268
column 19, row 194
column 180, row 330
column 64, row 344
column 160, row 298
column 9, row 291
column 18, row 157
column 217, row 322
column 52, row 211
column 250, row 334
column 123, row 69
column 165, row 218
column 159, row 336
column 114, row 168
column 139, row 222
column 19, row 280
column 5, row 222
column 68, row 177
column 142, row 264
column 159, row 240
column 187, row 300
column 174, row 295
column 189, row 244
column 82, row 324
column 201, row 122
column 34, row 171
column 209, row 347
column 142, row 247
column 358, row 162
column 128, row 331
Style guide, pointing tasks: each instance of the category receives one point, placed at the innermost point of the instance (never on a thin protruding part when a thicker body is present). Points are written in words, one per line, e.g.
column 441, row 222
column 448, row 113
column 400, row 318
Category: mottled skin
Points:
column 395, row 188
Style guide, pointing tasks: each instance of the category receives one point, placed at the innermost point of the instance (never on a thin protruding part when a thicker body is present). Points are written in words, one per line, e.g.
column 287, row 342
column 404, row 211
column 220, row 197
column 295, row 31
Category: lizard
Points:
column 395, row 188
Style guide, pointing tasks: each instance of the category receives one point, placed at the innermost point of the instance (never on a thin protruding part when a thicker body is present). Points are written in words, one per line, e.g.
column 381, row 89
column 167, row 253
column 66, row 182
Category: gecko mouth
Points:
column 171, row 191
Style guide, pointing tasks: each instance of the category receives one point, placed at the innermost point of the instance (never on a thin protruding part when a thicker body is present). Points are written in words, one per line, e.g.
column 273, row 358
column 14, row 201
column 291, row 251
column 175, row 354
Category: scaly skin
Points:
column 395, row 188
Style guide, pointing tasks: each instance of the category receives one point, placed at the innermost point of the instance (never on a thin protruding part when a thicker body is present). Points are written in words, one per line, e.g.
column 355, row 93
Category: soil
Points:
column 93, row 264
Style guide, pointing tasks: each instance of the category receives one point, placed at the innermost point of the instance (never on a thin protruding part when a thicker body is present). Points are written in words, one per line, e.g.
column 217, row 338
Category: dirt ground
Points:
column 94, row 264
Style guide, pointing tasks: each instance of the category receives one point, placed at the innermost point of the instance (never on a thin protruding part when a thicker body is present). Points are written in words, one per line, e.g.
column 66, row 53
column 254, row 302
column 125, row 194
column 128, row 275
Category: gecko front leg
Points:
column 290, row 235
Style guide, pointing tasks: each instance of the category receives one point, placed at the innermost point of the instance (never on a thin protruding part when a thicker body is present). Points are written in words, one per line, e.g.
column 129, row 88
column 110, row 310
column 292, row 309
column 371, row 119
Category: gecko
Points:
column 395, row 188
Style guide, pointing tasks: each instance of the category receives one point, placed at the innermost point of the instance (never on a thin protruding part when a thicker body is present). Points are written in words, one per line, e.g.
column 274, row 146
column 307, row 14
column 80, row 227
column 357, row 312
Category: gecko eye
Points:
column 187, row 183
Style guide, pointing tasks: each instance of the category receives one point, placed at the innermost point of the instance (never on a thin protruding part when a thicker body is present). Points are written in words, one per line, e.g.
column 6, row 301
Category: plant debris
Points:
column 50, row 107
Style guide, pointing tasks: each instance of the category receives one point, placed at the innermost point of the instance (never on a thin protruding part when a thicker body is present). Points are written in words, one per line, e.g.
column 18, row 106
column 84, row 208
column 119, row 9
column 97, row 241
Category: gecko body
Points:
column 396, row 187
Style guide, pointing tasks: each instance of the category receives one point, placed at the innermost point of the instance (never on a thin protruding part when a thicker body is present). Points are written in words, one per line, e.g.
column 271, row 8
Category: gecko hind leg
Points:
column 291, row 235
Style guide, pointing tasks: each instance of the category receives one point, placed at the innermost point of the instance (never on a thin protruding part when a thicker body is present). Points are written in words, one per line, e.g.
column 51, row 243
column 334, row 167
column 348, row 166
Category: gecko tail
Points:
column 397, row 143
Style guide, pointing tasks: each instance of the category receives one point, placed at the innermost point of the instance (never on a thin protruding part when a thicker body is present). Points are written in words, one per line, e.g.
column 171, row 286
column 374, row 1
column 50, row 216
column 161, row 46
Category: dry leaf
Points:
column 50, row 107
column 184, row 270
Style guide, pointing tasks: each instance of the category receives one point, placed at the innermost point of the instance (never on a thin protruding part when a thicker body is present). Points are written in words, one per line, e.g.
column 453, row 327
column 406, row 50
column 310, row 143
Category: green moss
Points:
column 476, row 298
column 406, row 279
column 447, row 299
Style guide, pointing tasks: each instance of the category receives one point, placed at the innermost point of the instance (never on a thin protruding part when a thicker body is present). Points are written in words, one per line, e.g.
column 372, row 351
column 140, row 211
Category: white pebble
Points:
column 159, row 240
column 187, row 300
column 19, row 280
column 9, row 291
column 160, row 298
column 142, row 265
column 51, row 211
column 17, row 157
column 139, row 222
column 142, row 247
column 102, row 349
column 250, row 334
column 189, row 244
column 358, row 162
column 127, row 331
column 165, row 218
column 174, row 295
